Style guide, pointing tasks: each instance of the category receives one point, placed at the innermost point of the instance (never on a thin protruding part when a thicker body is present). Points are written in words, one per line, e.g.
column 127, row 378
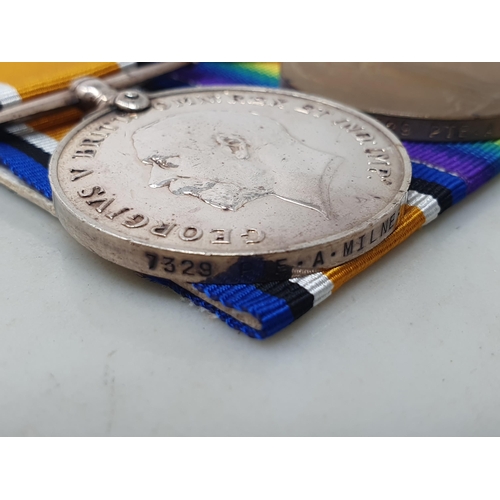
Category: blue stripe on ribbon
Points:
column 272, row 312
column 27, row 169
column 455, row 184
column 229, row 320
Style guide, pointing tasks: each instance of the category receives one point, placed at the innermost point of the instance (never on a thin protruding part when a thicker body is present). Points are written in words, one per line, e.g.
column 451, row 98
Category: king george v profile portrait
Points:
column 228, row 163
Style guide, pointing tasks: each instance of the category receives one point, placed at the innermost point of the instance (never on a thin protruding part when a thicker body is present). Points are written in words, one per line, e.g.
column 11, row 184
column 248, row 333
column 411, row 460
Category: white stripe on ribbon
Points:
column 320, row 287
column 317, row 284
column 26, row 133
column 8, row 95
column 426, row 203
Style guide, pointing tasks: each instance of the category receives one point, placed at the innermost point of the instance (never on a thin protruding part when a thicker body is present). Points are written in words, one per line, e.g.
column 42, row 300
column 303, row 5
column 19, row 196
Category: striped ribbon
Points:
column 443, row 174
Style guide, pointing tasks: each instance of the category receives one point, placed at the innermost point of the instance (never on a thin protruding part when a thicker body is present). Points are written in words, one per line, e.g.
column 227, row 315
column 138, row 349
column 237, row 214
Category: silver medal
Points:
column 229, row 184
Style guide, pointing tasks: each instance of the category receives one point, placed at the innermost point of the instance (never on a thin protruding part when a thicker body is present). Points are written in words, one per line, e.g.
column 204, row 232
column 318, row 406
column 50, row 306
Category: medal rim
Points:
column 399, row 198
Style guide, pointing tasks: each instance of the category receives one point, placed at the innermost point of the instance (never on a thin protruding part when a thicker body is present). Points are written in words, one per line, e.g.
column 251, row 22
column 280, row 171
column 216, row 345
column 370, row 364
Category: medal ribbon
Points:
column 443, row 174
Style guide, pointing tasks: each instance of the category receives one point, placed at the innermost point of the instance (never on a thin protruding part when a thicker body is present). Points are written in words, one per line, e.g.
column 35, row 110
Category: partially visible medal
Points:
column 417, row 101
column 227, row 185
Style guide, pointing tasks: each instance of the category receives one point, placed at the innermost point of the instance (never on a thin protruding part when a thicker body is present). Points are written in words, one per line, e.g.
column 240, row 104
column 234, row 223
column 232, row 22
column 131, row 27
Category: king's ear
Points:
column 235, row 144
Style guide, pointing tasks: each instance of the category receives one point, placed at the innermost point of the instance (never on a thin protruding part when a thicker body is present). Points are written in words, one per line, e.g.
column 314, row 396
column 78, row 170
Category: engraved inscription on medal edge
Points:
column 481, row 131
column 166, row 172
column 223, row 236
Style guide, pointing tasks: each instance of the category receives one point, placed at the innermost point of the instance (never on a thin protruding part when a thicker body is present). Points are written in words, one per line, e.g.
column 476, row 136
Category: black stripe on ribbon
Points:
column 299, row 300
column 443, row 195
column 39, row 155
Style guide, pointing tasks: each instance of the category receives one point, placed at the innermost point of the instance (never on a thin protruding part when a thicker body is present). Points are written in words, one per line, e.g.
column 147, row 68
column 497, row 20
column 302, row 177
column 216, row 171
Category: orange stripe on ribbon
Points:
column 411, row 220
column 32, row 79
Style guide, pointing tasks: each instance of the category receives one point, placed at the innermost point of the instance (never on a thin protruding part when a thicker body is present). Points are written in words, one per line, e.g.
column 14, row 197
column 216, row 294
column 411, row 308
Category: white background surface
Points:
column 409, row 347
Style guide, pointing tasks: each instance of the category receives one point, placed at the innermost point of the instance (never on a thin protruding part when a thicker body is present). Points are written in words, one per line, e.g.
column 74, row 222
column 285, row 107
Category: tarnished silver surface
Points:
column 230, row 184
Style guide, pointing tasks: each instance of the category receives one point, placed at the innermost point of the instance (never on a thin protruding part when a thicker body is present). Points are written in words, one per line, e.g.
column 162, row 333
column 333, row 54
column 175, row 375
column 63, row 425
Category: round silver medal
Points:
column 230, row 185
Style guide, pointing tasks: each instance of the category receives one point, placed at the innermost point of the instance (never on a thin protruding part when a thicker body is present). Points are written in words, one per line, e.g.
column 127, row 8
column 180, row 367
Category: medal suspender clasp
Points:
column 93, row 91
